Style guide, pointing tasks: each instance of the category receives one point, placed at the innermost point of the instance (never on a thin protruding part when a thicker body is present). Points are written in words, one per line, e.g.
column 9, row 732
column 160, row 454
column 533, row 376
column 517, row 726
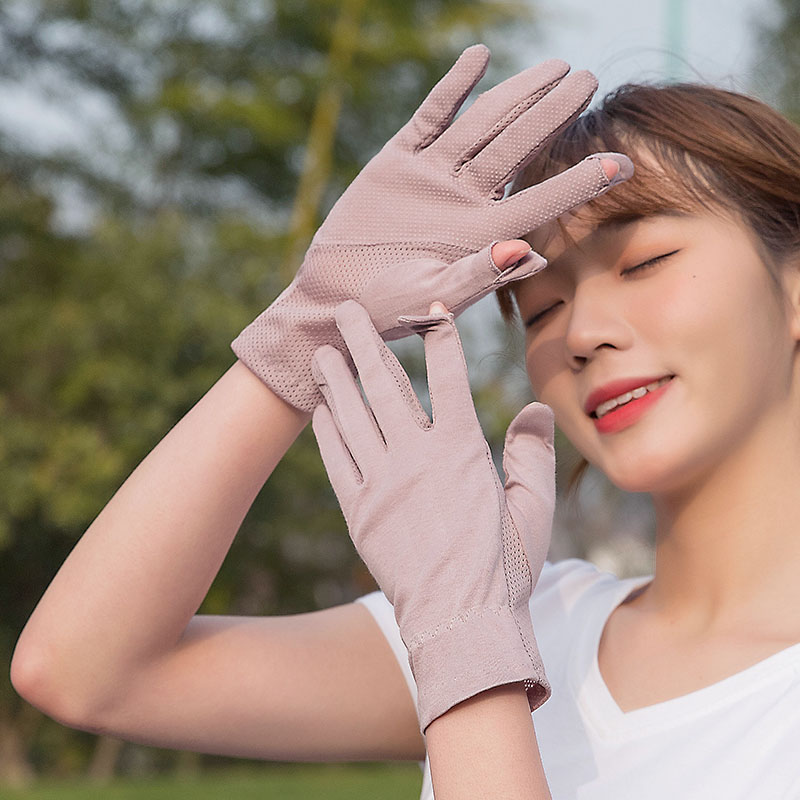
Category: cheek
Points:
column 724, row 314
column 544, row 362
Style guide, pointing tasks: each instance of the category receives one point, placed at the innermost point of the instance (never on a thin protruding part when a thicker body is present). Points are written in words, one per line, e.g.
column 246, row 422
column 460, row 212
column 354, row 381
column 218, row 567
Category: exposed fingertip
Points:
column 617, row 166
column 611, row 168
column 506, row 253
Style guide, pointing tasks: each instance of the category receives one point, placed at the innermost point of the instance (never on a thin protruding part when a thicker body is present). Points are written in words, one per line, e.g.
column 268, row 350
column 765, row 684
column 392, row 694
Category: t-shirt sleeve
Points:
column 557, row 580
column 383, row 613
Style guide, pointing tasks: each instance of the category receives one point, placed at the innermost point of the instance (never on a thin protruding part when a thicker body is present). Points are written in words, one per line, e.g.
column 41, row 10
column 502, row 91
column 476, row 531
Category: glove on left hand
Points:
column 417, row 222
column 456, row 552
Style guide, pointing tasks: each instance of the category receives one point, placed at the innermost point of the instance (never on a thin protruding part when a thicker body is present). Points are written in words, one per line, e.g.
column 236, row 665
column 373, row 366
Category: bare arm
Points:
column 486, row 747
column 114, row 645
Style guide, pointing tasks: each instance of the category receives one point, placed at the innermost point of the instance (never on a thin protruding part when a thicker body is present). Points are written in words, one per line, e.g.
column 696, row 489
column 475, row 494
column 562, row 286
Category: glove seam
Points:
column 429, row 635
column 405, row 388
column 511, row 116
column 393, row 243
column 511, row 603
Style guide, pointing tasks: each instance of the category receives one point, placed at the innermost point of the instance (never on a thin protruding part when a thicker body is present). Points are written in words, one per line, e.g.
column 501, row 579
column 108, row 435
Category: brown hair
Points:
column 712, row 149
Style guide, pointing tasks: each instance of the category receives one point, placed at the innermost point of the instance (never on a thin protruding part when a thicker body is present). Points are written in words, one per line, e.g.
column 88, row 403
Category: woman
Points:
column 684, row 282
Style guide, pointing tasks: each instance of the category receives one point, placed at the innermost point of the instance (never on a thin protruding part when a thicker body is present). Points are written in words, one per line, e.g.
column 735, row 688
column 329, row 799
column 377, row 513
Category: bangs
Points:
column 695, row 148
column 666, row 178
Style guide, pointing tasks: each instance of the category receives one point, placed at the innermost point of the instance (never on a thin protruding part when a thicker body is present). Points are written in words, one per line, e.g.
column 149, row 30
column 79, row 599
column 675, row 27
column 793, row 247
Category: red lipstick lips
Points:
column 625, row 415
column 615, row 389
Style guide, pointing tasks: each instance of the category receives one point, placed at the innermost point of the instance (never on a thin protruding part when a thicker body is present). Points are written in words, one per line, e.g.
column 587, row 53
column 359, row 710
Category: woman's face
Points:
column 679, row 308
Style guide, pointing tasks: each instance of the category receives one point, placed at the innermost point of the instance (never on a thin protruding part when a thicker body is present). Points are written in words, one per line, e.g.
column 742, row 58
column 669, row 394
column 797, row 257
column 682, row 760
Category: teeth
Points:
column 641, row 391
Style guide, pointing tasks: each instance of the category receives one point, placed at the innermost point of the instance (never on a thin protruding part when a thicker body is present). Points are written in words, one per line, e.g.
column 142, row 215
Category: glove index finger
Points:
column 448, row 377
column 388, row 389
column 532, row 207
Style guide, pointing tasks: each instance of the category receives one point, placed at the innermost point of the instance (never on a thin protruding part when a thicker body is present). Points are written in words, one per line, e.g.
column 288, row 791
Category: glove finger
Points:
column 496, row 109
column 354, row 420
column 410, row 287
column 389, row 392
column 443, row 101
column 531, row 208
column 530, row 486
column 448, row 378
column 342, row 470
column 512, row 148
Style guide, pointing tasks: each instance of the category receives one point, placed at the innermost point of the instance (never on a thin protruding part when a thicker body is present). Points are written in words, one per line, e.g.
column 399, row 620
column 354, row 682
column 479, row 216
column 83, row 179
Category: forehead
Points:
column 579, row 229
column 665, row 182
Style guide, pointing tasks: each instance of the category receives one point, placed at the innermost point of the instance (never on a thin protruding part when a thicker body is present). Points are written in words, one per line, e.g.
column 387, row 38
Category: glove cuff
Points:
column 278, row 350
column 471, row 653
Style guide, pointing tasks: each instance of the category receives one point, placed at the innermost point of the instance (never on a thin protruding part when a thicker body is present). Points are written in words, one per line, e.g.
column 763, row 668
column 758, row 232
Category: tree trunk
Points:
column 15, row 731
column 321, row 135
column 102, row 767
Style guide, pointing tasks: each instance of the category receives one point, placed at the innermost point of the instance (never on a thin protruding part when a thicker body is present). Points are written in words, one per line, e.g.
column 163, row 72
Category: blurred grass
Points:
column 290, row 782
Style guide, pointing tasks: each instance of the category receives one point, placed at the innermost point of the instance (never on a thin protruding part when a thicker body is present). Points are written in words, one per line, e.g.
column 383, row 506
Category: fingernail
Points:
column 624, row 166
column 521, row 251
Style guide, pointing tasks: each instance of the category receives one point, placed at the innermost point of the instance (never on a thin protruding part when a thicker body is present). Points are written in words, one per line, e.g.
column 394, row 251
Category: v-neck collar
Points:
column 600, row 709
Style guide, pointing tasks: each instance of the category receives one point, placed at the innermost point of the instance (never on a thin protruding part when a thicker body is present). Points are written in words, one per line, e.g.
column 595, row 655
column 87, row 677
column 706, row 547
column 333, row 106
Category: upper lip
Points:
column 616, row 388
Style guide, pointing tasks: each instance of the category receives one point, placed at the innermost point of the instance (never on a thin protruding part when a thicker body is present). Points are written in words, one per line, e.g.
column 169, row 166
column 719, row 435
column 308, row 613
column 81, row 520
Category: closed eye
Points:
column 536, row 317
column 637, row 268
column 651, row 262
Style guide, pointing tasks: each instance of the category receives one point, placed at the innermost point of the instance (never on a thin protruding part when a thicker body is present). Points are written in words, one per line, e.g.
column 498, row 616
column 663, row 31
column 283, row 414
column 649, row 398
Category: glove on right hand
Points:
column 455, row 551
column 432, row 195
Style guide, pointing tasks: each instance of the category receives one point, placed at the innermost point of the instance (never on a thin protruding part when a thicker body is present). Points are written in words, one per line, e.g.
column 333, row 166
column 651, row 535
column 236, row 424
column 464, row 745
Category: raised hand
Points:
column 455, row 551
column 418, row 221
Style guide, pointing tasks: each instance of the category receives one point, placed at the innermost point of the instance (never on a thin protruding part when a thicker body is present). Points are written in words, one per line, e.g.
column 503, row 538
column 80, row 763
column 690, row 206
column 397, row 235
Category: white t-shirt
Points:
column 736, row 739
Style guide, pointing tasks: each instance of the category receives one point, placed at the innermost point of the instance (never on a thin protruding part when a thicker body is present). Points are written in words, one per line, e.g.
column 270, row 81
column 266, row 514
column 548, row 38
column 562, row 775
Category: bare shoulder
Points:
column 320, row 686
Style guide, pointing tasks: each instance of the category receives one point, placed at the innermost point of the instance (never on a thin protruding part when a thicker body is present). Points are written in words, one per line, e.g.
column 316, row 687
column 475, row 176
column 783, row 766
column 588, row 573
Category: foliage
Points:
column 131, row 257
column 214, row 98
column 289, row 782
column 780, row 55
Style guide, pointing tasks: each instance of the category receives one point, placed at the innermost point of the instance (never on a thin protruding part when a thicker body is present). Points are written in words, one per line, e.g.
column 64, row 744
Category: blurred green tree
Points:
column 209, row 139
column 779, row 56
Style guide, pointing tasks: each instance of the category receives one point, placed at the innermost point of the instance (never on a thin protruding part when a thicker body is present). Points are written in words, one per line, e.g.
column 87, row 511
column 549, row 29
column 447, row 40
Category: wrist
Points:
column 476, row 651
column 486, row 747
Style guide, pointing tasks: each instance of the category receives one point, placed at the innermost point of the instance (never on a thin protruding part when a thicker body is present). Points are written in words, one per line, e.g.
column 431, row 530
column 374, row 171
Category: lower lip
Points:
column 624, row 416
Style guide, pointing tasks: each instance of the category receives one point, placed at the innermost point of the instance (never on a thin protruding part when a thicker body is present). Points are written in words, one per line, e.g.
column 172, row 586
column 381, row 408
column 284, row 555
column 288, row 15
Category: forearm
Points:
column 137, row 576
column 486, row 747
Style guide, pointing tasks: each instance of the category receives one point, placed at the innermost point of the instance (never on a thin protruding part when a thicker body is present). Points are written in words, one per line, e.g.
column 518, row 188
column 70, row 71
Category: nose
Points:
column 596, row 321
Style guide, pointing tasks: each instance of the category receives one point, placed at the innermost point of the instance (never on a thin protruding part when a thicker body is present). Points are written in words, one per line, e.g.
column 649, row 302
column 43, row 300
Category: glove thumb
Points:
column 412, row 285
column 530, row 487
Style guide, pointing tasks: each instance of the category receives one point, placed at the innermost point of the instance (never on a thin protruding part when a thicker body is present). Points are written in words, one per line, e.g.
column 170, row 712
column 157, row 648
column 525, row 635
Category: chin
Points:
column 653, row 469
column 653, row 475
column 632, row 480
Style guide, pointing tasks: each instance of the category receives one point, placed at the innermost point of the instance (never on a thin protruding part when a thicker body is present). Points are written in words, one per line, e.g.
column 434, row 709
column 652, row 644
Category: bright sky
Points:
column 627, row 40
column 618, row 40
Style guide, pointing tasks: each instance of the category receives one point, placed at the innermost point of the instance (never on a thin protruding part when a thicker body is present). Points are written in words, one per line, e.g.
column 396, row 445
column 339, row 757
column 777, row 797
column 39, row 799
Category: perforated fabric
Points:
column 456, row 552
column 432, row 196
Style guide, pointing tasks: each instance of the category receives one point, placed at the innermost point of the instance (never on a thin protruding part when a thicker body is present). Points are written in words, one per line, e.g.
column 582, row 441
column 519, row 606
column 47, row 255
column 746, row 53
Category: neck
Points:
column 728, row 546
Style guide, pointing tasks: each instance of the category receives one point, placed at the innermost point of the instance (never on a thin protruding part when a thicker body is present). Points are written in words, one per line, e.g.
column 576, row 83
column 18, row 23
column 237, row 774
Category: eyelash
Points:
column 651, row 262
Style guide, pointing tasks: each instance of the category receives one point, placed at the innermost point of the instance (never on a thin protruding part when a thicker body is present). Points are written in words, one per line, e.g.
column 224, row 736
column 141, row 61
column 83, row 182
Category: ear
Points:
column 791, row 283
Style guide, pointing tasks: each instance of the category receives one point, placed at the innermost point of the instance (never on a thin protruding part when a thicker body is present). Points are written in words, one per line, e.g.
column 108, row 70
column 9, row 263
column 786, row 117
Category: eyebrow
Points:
column 618, row 224
column 615, row 227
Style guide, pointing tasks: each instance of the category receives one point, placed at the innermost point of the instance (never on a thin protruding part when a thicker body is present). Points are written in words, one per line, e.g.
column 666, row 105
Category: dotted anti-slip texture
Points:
column 435, row 191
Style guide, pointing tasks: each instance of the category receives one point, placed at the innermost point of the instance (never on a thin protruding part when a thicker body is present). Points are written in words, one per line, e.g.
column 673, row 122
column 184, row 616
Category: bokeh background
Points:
column 163, row 165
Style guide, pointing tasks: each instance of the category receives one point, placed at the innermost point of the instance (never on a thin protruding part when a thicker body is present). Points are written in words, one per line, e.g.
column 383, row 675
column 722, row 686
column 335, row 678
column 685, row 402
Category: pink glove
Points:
column 434, row 193
column 456, row 553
